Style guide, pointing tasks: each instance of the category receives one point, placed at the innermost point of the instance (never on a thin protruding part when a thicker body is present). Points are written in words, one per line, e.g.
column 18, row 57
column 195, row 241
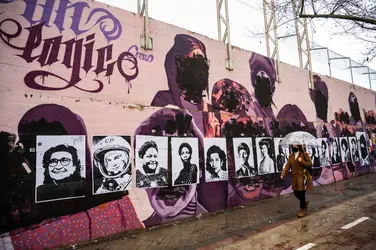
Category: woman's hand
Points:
column 282, row 177
column 300, row 159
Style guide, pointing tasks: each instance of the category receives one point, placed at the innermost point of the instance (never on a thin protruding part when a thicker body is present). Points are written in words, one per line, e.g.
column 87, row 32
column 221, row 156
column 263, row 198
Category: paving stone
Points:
column 198, row 232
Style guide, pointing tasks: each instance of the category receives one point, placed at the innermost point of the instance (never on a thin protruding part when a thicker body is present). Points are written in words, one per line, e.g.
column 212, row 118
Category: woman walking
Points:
column 299, row 162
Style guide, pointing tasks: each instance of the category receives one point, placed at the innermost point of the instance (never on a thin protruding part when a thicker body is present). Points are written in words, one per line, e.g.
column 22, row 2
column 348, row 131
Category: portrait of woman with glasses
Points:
column 62, row 174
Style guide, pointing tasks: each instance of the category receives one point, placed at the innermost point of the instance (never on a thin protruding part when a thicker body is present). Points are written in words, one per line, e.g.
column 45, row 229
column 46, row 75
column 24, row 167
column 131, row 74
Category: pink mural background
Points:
column 49, row 88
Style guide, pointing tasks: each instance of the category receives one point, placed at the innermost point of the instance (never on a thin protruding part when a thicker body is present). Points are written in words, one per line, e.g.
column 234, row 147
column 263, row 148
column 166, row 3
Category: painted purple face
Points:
column 263, row 78
column 168, row 201
column 171, row 201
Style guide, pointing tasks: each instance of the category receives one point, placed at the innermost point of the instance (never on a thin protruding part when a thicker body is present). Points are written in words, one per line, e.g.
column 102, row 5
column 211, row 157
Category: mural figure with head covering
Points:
column 370, row 117
column 231, row 97
column 172, row 203
column 187, row 70
column 251, row 115
column 52, row 119
column 355, row 118
column 320, row 97
column 236, row 106
column 263, row 79
column 291, row 118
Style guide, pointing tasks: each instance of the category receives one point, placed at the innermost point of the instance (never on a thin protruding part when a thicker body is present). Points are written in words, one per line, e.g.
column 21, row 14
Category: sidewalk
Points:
column 216, row 230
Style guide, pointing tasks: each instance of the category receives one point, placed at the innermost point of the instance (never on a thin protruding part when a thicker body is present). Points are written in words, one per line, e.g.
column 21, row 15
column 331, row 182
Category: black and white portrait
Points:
column 313, row 153
column 244, row 160
column 334, row 151
column 345, row 149
column 281, row 154
column 324, row 152
column 354, row 149
column 112, row 170
column 185, row 160
column 265, row 155
column 363, row 149
column 151, row 161
column 216, row 168
column 60, row 168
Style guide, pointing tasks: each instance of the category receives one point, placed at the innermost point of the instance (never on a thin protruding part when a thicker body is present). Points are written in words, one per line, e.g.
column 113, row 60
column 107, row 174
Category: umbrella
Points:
column 299, row 138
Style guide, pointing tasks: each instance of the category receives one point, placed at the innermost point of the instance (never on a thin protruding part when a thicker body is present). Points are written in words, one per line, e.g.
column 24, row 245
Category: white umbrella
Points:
column 299, row 138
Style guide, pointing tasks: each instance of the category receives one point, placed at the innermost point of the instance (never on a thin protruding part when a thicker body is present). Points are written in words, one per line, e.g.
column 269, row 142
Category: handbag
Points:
column 309, row 169
column 305, row 173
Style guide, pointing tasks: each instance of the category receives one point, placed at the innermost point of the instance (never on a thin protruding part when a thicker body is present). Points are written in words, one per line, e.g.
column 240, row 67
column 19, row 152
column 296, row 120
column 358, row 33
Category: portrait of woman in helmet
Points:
column 112, row 164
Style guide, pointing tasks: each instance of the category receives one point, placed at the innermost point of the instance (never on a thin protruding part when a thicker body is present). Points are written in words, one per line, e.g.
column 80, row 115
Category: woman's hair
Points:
column 244, row 146
column 332, row 141
column 222, row 155
column 266, row 142
column 363, row 150
column 323, row 143
column 362, row 140
column 61, row 148
column 145, row 147
column 185, row 145
column 353, row 141
column 344, row 142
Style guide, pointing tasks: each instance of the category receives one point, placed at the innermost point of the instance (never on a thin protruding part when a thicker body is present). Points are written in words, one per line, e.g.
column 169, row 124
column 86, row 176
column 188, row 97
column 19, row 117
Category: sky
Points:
column 247, row 22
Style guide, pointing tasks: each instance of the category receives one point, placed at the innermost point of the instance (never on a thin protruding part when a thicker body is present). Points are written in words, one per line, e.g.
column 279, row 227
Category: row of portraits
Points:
column 61, row 161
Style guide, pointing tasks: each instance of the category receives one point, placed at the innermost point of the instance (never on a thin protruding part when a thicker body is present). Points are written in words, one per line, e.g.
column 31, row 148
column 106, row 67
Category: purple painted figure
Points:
column 52, row 119
column 172, row 203
column 355, row 118
column 235, row 103
column 263, row 79
column 187, row 70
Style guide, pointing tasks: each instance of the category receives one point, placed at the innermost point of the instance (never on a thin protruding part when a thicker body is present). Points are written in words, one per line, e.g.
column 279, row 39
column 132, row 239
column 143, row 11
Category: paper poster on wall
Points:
column 216, row 168
column 354, row 149
column 60, row 168
column 281, row 154
column 363, row 149
column 244, row 160
column 334, row 151
column 265, row 155
column 345, row 149
column 185, row 161
column 324, row 152
column 151, row 161
column 112, row 171
column 313, row 153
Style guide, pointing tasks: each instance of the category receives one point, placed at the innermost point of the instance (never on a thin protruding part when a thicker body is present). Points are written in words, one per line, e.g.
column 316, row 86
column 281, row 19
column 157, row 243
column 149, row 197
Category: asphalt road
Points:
column 350, row 225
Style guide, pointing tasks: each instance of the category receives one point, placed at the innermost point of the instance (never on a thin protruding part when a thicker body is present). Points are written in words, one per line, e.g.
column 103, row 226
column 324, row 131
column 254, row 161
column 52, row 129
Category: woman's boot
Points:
column 301, row 213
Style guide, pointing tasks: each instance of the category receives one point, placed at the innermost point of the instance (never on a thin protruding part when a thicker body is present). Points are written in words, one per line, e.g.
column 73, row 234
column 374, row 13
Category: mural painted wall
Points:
column 100, row 137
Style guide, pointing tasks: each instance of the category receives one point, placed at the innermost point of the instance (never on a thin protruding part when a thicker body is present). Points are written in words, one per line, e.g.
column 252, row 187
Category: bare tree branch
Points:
column 335, row 16
column 355, row 18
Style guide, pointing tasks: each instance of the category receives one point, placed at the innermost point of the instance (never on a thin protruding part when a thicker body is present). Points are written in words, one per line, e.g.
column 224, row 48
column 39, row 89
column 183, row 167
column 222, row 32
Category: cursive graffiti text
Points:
column 139, row 55
column 109, row 25
column 73, row 51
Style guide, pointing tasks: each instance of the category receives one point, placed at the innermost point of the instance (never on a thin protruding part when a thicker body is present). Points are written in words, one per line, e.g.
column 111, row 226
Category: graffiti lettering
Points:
column 76, row 24
column 140, row 55
column 74, row 50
